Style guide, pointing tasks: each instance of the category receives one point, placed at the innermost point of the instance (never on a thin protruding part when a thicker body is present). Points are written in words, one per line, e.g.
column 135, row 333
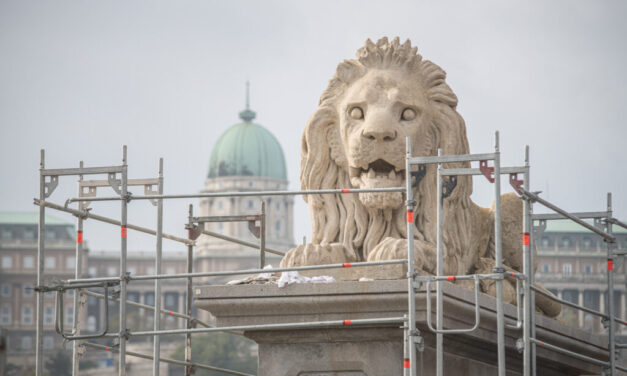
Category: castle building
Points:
column 572, row 264
column 246, row 157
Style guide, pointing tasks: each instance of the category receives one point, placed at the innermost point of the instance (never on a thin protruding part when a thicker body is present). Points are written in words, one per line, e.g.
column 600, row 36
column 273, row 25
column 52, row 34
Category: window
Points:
column 169, row 270
column 6, row 290
column 70, row 262
column 132, row 270
column 27, row 291
column 48, row 315
column 277, row 228
column 546, row 268
column 29, row 234
column 566, row 242
column 171, row 301
column 91, row 323
column 545, row 241
column 5, row 315
column 50, row 262
column 250, row 183
column 278, row 206
column 220, row 204
column 149, row 299
column 112, row 271
column 69, row 315
column 7, row 262
column 250, row 204
column 566, row 269
column 27, row 342
column 27, row 315
column 48, row 342
column 51, row 235
column 220, row 226
column 6, row 234
column 28, row 262
column 586, row 243
column 587, row 269
column 92, row 271
column 150, row 270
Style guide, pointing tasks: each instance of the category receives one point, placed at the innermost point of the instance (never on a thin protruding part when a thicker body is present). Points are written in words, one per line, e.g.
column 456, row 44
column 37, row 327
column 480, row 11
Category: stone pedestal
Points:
column 377, row 350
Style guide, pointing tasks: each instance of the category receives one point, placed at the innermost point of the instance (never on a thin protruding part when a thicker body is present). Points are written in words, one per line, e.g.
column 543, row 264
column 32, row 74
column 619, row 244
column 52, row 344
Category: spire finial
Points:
column 247, row 115
column 247, row 95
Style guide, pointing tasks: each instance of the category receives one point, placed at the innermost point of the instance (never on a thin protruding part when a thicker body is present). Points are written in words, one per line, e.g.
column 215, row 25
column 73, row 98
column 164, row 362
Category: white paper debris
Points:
column 287, row 278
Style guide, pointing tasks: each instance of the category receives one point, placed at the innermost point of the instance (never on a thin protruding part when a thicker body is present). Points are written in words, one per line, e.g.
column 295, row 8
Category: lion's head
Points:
column 356, row 138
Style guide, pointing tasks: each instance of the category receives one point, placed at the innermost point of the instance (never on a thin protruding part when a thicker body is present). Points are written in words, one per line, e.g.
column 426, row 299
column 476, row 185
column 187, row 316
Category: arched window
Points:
column 566, row 242
column 586, row 243
column 277, row 228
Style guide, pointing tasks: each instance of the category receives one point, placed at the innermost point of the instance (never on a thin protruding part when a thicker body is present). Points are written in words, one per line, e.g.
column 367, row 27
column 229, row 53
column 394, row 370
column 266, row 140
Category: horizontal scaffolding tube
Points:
column 451, row 158
column 148, row 307
column 241, row 242
column 569, row 353
column 580, row 215
column 608, row 238
column 81, row 171
column 576, row 306
column 86, row 214
column 238, row 272
column 476, row 171
column 296, row 325
column 167, row 360
column 242, row 194
column 617, row 222
column 567, row 303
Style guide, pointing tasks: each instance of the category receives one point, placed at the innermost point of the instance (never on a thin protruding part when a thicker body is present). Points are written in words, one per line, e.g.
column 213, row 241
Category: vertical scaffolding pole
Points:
column 411, row 303
column 527, row 270
column 610, row 288
column 123, row 277
column 498, row 259
column 439, row 363
column 40, row 269
column 532, row 296
column 262, row 236
column 188, row 305
column 156, row 350
column 77, row 274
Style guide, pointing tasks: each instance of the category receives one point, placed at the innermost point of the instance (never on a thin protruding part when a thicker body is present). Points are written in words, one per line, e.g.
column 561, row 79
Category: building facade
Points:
column 572, row 263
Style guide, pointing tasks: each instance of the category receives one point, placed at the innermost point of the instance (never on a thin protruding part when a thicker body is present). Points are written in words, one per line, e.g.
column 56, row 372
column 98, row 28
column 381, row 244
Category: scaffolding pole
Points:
column 156, row 350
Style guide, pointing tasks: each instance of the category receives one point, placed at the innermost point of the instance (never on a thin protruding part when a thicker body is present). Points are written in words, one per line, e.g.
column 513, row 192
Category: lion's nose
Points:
column 381, row 135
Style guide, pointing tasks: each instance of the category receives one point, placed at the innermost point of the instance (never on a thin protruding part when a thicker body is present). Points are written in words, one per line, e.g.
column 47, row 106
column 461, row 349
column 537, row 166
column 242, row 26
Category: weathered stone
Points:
column 377, row 350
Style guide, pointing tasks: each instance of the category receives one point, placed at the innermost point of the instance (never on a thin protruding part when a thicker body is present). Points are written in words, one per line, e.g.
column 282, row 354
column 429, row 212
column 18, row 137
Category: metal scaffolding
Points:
column 117, row 178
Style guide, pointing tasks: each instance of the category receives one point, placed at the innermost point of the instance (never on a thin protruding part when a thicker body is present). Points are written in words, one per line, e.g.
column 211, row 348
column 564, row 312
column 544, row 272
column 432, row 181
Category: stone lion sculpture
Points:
column 356, row 138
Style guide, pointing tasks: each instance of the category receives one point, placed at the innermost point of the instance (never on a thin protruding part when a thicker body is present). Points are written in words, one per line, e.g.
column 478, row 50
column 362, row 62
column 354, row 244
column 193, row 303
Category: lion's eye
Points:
column 357, row 113
column 408, row 114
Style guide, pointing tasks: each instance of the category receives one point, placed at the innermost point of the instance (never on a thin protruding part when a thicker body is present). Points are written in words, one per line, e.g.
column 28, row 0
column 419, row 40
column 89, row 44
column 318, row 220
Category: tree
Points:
column 59, row 364
column 223, row 350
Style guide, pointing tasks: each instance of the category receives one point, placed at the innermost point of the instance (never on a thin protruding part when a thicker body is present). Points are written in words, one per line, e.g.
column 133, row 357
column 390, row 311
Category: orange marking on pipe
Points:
column 346, row 265
column 346, row 191
column 526, row 240
column 450, row 278
column 610, row 265
column 123, row 231
column 346, row 322
column 406, row 363
column 410, row 216
column 79, row 236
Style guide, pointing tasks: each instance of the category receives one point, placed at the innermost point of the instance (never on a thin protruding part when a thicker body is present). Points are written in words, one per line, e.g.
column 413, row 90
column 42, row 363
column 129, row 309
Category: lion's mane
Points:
column 342, row 218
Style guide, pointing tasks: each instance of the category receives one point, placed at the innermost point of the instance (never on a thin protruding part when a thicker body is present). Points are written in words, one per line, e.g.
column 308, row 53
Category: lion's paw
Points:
column 396, row 249
column 316, row 254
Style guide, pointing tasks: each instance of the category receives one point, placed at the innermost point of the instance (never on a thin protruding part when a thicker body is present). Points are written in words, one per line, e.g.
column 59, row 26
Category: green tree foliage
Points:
column 221, row 350
column 59, row 364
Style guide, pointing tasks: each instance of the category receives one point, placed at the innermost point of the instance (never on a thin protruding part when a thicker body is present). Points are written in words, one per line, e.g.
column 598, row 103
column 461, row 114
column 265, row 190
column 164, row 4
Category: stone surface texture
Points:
column 356, row 138
column 377, row 350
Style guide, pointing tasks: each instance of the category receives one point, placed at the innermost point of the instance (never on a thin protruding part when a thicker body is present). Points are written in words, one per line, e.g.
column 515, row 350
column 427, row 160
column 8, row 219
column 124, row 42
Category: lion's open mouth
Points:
column 379, row 174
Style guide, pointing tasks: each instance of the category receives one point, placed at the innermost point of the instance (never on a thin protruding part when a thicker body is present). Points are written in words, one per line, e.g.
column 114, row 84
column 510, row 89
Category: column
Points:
column 580, row 312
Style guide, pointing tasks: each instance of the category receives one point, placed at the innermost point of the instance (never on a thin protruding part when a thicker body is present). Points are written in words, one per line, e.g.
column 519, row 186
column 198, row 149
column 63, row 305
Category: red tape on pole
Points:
column 405, row 363
column 526, row 240
column 79, row 236
column 346, row 190
column 450, row 278
column 346, row 322
column 123, row 231
column 410, row 216
column 610, row 265
column 346, row 265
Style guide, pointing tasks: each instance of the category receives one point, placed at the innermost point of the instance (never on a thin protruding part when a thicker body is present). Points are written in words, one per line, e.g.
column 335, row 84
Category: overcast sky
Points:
column 80, row 79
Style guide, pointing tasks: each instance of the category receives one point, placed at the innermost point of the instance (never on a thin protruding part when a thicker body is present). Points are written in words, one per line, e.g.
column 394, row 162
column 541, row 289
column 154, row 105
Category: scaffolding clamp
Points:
column 448, row 186
column 416, row 176
column 125, row 333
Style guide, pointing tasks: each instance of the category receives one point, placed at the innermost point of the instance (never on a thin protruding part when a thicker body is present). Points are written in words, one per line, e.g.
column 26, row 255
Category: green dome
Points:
column 247, row 149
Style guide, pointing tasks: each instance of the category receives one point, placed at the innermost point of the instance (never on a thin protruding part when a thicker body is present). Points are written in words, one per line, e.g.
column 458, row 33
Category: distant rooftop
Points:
column 566, row 225
column 28, row 218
